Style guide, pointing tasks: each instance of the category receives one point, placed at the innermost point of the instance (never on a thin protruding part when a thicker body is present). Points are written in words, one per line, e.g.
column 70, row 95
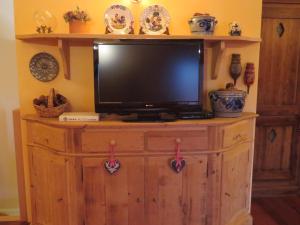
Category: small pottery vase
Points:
column 249, row 76
column 77, row 26
column 202, row 24
column 227, row 102
column 235, row 67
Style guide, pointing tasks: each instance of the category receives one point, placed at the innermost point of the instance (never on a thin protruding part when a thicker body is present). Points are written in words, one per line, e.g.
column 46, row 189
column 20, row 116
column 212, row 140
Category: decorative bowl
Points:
column 202, row 24
column 51, row 106
column 227, row 102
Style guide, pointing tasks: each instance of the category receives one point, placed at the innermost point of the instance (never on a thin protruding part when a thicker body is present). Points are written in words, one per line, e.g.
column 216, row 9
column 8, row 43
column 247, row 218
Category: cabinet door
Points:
column 49, row 188
column 236, row 182
column 276, row 156
column 116, row 199
column 176, row 198
column 279, row 69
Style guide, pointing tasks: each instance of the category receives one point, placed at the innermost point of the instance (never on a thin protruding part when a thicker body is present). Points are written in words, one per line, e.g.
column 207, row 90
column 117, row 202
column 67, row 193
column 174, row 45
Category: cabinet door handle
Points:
column 112, row 142
column 178, row 140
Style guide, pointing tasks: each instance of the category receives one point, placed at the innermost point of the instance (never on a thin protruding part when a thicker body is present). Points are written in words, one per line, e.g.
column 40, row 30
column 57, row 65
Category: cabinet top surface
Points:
column 115, row 122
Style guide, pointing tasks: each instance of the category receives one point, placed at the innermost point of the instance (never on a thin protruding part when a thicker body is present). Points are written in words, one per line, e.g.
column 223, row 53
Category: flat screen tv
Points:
column 148, row 76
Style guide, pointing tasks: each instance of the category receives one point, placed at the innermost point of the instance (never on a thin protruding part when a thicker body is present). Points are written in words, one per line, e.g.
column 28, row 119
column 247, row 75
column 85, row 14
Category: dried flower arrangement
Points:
column 76, row 15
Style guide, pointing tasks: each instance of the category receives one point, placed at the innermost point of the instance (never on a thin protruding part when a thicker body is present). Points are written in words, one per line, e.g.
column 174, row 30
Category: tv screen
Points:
column 148, row 75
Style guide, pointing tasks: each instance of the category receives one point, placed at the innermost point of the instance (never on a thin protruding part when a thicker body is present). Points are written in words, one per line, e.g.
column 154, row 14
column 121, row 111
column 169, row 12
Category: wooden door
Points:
column 49, row 188
column 176, row 198
column 116, row 199
column 276, row 165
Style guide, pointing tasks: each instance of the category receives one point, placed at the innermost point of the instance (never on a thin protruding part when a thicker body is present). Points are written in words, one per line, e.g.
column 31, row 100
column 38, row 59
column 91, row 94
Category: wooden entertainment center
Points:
column 70, row 186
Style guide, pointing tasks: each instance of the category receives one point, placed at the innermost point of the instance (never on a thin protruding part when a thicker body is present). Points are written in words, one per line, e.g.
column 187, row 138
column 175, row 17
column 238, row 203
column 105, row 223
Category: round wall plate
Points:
column 155, row 20
column 118, row 19
column 44, row 67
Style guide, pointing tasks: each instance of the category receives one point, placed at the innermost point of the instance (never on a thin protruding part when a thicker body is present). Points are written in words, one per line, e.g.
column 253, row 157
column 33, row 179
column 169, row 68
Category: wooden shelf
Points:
column 64, row 41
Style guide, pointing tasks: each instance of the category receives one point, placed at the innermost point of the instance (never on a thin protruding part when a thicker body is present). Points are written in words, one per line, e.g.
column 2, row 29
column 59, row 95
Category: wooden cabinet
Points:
column 72, row 187
column 277, row 158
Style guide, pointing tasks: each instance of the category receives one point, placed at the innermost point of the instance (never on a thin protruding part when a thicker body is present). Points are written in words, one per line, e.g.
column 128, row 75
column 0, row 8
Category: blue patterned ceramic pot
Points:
column 202, row 24
column 227, row 102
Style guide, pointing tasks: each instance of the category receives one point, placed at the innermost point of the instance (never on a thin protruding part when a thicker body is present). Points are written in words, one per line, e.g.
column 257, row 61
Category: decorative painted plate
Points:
column 118, row 19
column 155, row 20
column 44, row 67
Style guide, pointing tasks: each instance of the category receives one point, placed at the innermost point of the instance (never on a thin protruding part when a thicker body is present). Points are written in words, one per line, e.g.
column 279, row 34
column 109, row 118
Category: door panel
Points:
column 276, row 162
column 114, row 199
column 48, row 188
column 236, row 173
column 273, row 151
column 279, row 66
column 176, row 198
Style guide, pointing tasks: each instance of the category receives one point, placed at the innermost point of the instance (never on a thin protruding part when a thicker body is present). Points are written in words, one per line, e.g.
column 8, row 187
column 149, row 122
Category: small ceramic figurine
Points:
column 249, row 75
column 235, row 29
column 235, row 67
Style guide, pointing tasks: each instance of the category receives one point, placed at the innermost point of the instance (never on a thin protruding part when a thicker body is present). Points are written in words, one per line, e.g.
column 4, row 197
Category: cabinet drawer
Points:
column 99, row 141
column 51, row 137
column 241, row 131
column 166, row 140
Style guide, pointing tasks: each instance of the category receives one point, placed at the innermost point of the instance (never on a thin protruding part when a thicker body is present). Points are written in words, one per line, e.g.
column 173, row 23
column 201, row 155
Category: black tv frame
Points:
column 148, row 107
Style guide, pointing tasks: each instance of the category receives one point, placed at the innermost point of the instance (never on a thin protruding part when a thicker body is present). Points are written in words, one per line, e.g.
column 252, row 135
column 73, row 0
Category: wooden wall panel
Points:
column 282, row 1
column 276, row 159
column 20, row 164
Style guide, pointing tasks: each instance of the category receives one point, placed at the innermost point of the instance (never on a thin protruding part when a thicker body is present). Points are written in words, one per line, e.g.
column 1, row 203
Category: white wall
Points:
column 8, row 101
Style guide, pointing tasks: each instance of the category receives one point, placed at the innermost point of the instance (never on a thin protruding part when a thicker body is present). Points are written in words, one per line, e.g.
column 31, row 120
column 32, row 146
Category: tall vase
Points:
column 235, row 67
column 249, row 76
column 77, row 26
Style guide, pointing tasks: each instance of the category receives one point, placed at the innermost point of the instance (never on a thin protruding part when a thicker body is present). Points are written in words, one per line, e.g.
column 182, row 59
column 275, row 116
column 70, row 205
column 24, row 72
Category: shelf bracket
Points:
column 64, row 50
column 218, row 53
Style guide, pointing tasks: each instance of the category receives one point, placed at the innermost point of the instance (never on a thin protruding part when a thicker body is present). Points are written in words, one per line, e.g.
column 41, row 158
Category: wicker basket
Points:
column 51, row 111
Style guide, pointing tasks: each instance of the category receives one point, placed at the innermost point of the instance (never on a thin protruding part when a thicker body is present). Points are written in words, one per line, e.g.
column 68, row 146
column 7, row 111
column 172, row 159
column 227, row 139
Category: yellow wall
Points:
column 8, row 102
column 80, row 89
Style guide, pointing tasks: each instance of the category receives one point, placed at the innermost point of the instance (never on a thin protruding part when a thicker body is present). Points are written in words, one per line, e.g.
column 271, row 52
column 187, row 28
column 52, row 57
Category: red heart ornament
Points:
column 112, row 166
column 177, row 165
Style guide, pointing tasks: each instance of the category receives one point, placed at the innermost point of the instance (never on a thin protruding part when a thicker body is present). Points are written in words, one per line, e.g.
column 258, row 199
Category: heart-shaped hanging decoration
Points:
column 177, row 165
column 112, row 166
